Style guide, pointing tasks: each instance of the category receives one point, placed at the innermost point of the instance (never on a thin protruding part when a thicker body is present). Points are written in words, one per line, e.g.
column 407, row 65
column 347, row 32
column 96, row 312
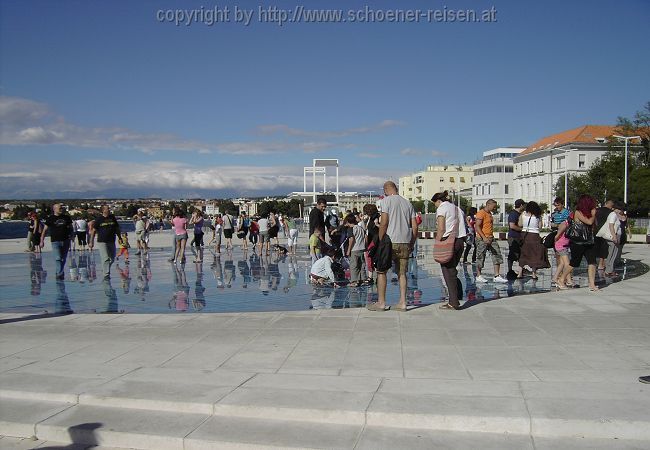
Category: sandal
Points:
column 374, row 307
column 399, row 308
column 594, row 289
column 447, row 306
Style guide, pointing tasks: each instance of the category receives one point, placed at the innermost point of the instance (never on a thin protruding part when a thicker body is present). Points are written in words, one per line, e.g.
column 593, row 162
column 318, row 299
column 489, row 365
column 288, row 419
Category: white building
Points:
column 573, row 152
column 493, row 177
column 422, row 185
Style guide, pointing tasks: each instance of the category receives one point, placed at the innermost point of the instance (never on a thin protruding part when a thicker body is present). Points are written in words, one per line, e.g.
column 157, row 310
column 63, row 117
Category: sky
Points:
column 115, row 99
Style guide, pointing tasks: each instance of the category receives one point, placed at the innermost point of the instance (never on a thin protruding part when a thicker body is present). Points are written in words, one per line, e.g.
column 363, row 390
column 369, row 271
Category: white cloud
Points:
column 290, row 131
column 410, row 152
column 94, row 177
column 369, row 155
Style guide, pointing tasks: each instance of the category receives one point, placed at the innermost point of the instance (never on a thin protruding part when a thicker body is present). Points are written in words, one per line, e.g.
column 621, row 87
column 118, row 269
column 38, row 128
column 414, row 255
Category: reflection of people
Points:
column 62, row 304
column 111, row 296
column 125, row 276
column 180, row 298
column 36, row 273
column 199, row 297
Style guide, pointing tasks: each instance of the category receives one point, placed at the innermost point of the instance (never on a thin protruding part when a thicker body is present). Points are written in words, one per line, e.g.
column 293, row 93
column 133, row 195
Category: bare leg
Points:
column 381, row 289
column 402, row 291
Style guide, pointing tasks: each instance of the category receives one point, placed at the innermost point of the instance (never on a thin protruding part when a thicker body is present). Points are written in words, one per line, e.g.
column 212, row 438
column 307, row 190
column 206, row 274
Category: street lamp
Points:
column 626, row 138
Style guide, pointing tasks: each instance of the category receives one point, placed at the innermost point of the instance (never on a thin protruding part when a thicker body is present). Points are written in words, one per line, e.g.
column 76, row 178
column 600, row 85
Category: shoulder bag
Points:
column 443, row 250
column 580, row 233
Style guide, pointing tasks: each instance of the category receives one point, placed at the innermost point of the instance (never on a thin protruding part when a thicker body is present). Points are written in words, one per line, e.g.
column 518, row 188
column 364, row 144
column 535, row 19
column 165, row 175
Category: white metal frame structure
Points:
column 319, row 166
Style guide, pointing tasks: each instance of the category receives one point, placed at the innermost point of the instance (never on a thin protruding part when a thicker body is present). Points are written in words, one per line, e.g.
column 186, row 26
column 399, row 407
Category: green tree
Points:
column 418, row 205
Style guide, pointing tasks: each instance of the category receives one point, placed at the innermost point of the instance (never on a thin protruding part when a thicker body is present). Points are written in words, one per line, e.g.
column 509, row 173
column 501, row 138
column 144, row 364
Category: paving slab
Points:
column 241, row 433
column 35, row 386
column 118, row 427
column 17, row 417
column 293, row 404
column 450, row 413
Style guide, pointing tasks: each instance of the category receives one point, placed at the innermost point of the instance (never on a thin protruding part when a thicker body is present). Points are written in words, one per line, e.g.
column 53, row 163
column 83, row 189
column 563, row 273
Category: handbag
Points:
column 549, row 240
column 443, row 250
column 580, row 233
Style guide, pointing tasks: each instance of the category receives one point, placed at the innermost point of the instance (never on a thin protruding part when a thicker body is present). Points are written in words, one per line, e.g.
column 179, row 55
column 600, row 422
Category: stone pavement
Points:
column 542, row 371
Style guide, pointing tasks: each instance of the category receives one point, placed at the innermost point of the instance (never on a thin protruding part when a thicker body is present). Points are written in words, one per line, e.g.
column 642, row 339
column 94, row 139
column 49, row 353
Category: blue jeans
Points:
column 60, row 250
column 107, row 255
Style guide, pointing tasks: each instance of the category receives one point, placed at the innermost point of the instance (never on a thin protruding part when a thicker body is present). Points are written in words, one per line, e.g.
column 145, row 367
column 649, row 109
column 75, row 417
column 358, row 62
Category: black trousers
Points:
column 450, row 273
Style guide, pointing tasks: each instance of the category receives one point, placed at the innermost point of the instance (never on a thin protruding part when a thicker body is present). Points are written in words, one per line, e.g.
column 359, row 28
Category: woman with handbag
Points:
column 533, row 252
column 581, row 235
column 449, row 245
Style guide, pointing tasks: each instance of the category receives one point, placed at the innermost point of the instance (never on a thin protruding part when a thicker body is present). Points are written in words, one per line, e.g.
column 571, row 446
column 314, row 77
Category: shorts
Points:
column 563, row 252
column 273, row 231
column 602, row 249
column 180, row 237
column 81, row 237
column 264, row 237
column 578, row 251
column 139, row 236
column 227, row 233
column 482, row 248
column 401, row 253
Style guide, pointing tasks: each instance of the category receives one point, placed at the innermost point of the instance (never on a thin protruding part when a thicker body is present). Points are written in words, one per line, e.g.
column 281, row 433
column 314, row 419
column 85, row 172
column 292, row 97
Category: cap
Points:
column 519, row 202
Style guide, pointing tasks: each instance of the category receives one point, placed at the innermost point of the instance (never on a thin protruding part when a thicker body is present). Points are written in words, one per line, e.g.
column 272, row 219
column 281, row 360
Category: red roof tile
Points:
column 585, row 134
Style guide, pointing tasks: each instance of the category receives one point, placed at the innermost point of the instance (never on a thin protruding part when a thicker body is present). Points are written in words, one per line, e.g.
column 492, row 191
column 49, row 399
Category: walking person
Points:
column 243, row 224
column 397, row 222
column 217, row 225
column 355, row 248
column 372, row 236
column 585, row 216
column 179, row 225
column 107, row 229
column 515, row 240
column 611, row 232
column 602, row 214
column 197, row 222
column 81, row 227
column 140, row 230
column 562, row 254
column 36, row 229
column 274, row 227
column 60, row 227
column 470, row 241
column 291, row 231
column 253, row 233
column 317, row 216
column 485, row 243
column 263, row 225
column 228, row 228
column 450, row 224
column 533, row 252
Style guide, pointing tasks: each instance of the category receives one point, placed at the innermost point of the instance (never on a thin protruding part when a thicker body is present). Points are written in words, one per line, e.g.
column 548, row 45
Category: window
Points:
column 462, row 179
column 541, row 166
column 559, row 162
column 505, row 189
column 451, row 179
column 582, row 161
column 527, row 168
column 482, row 190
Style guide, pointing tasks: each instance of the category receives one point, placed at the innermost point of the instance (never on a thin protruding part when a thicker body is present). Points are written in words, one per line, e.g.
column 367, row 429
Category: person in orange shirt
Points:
column 485, row 242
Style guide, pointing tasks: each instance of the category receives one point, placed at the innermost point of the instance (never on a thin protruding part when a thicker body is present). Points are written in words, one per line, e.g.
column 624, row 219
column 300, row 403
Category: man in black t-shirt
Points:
column 60, row 226
column 601, row 244
column 317, row 216
column 107, row 229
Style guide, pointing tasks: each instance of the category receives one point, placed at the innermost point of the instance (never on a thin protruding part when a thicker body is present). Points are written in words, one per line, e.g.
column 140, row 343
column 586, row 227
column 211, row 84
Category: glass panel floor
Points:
column 235, row 282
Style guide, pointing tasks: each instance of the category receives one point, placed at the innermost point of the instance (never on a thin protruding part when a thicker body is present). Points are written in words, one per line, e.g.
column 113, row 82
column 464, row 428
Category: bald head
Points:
column 390, row 188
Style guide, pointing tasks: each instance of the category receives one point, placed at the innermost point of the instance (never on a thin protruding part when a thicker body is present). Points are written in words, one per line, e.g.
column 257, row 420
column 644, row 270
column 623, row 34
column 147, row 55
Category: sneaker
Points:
column 481, row 279
column 500, row 279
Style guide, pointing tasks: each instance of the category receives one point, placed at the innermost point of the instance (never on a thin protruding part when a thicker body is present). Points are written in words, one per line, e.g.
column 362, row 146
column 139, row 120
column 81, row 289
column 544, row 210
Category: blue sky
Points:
column 103, row 99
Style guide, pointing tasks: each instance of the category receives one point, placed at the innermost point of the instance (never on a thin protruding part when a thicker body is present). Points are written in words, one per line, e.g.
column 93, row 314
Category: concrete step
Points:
column 138, row 405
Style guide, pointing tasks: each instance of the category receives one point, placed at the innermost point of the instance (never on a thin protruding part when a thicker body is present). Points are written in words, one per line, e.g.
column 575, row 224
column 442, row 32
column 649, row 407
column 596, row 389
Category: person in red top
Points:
column 586, row 214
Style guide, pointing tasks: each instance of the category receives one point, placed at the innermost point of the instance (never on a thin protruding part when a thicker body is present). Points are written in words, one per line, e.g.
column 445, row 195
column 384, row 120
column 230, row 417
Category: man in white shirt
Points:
column 398, row 221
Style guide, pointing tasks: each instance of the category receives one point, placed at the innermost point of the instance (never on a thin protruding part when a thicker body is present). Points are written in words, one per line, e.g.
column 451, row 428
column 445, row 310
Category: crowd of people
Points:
column 371, row 241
